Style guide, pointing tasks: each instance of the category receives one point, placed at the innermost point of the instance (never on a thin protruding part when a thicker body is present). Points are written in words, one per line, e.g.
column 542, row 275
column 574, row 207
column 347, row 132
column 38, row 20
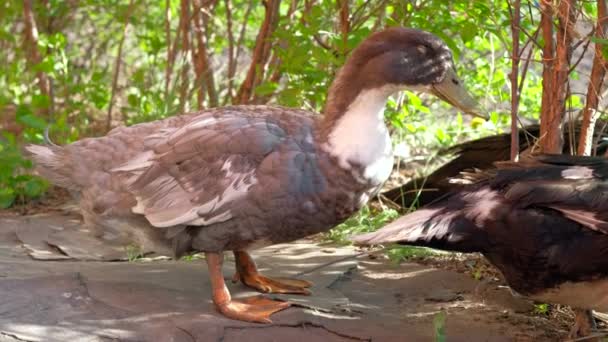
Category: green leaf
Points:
column 47, row 65
column 440, row 135
column 32, row 121
column 40, row 101
column 410, row 127
column 34, row 187
column 468, row 31
column 7, row 197
column 266, row 88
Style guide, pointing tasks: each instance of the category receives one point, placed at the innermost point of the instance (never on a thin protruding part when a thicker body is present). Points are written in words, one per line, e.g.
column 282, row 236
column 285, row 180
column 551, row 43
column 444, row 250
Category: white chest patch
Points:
column 361, row 136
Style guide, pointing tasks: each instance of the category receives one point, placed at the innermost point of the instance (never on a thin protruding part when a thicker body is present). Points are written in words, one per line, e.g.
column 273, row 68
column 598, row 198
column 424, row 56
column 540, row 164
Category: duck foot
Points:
column 251, row 309
column 255, row 309
column 247, row 272
column 584, row 323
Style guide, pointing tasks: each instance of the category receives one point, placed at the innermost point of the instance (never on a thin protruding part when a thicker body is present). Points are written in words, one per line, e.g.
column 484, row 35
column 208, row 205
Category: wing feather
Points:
column 193, row 174
column 575, row 186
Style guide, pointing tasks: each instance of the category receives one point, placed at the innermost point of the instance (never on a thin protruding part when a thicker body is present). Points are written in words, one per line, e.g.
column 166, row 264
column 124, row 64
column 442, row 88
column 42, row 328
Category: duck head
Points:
column 397, row 59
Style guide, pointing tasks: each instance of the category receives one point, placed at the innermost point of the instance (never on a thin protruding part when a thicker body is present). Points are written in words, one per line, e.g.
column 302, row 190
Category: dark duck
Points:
column 543, row 222
column 243, row 177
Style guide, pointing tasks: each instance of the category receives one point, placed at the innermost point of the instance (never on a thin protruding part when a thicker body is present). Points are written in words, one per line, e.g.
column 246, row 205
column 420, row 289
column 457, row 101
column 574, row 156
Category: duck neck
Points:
column 355, row 132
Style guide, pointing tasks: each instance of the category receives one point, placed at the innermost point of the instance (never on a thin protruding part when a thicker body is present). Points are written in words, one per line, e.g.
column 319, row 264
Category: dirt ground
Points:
column 59, row 284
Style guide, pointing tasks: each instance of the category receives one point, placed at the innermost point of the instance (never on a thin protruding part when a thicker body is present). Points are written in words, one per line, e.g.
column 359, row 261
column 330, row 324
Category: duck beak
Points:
column 452, row 91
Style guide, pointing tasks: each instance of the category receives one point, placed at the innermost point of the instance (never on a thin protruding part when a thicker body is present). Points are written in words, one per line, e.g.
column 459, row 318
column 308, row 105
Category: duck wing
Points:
column 199, row 173
column 574, row 186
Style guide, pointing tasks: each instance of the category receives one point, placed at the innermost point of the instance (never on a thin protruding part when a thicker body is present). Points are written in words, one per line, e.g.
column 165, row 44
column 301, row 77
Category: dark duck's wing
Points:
column 542, row 223
column 574, row 186
column 478, row 154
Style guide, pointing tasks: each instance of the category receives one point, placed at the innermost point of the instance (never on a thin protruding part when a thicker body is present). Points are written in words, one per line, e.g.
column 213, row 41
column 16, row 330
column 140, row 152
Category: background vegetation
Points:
column 82, row 67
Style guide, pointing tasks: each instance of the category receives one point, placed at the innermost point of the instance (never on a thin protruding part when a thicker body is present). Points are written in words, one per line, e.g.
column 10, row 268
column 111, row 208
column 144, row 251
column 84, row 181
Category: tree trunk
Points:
column 598, row 71
column 555, row 72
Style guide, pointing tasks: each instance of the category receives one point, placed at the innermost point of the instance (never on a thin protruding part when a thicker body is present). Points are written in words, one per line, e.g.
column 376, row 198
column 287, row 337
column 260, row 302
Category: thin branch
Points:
column 582, row 56
column 198, row 60
column 172, row 53
column 274, row 66
column 208, row 10
column 117, row 64
column 515, row 20
column 261, row 52
column 356, row 24
column 532, row 39
column 184, row 21
column 231, row 54
column 201, row 58
column 358, row 13
column 239, row 43
column 169, row 66
column 30, row 32
column 344, row 24
column 524, row 70
column 598, row 71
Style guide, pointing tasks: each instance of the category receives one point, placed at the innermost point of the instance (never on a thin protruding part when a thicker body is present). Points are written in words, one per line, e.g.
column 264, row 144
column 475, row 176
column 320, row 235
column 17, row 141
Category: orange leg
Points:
column 249, row 275
column 252, row 309
column 584, row 323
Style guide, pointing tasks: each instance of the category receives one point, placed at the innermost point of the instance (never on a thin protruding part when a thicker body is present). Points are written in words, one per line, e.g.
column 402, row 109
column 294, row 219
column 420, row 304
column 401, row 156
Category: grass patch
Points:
column 134, row 253
column 369, row 219
column 193, row 257
column 541, row 309
column 366, row 220
column 403, row 253
column 439, row 326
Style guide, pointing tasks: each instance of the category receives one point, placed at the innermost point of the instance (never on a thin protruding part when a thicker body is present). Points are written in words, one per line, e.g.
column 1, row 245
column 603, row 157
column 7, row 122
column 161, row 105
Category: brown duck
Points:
column 242, row 177
column 542, row 222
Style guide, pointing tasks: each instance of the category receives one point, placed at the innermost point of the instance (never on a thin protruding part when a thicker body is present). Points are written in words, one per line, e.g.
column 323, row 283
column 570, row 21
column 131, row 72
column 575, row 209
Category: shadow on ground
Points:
column 53, row 290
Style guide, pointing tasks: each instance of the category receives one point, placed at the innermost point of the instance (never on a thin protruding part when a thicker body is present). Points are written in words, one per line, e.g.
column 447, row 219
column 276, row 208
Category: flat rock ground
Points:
column 59, row 283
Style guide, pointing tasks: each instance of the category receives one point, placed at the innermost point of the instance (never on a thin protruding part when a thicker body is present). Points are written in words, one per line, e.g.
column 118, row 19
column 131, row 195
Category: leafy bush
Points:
column 16, row 184
column 81, row 44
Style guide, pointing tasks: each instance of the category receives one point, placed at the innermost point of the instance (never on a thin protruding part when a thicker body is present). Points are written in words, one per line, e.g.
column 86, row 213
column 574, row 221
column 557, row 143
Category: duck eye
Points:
column 455, row 81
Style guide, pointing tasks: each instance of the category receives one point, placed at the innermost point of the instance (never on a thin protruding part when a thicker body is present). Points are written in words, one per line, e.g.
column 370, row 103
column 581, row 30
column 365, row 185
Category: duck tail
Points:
column 436, row 227
column 52, row 162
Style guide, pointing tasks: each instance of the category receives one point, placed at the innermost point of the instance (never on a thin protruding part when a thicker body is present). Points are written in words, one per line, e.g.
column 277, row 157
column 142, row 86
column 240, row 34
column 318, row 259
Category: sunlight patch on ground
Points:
column 396, row 276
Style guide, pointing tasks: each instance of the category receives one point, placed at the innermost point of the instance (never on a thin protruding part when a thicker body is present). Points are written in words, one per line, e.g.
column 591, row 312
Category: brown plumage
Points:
column 543, row 222
column 241, row 177
column 476, row 154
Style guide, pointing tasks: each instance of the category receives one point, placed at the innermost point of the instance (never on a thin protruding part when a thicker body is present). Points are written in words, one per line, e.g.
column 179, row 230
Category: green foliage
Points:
column 366, row 220
column 78, row 44
column 134, row 253
column 403, row 253
column 541, row 309
column 439, row 326
column 16, row 185
column 193, row 257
